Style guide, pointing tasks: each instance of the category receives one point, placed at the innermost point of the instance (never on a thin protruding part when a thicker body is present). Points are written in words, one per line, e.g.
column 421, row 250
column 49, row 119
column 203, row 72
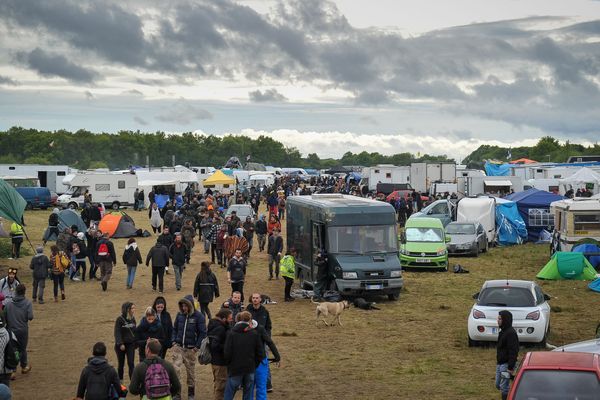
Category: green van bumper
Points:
column 424, row 262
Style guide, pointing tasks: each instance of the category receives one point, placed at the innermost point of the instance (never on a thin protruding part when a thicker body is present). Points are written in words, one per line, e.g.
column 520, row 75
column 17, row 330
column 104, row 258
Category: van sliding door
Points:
column 318, row 243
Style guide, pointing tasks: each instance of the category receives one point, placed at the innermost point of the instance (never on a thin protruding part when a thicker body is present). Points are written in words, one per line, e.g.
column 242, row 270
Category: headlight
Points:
column 395, row 274
column 402, row 251
column 441, row 252
column 349, row 275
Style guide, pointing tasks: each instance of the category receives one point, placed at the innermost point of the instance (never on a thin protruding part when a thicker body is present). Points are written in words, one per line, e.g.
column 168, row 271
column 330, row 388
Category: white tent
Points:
column 584, row 175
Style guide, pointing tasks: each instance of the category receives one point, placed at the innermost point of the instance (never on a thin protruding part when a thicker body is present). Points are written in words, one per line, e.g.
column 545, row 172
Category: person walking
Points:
column 5, row 335
column 218, row 329
column 215, row 228
column 188, row 233
column 189, row 330
column 206, row 222
column 135, row 199
column 80, row 253
column 18, row 314
column 273, row 224
column 262, row 374
column 261, row 232
column 179, row 253
column 60, row 262
column 507, row 351
column 234, row 304
column 92, row 236
column 220, row 244
column 236, row 272
column 16, row 235
column 274, row 250
column 155, row 218
column 106, row 259
column 124, row 333
column 98, row 378
column 157, row 372
column 159, row 254
column 243, row 354
column 160, row 306
column 132, row 258
column 288, row 271
column 40, row 265
column 150, row 327
column 249, row 229
column 52, row 230
column 206, row 288
column 8, row 285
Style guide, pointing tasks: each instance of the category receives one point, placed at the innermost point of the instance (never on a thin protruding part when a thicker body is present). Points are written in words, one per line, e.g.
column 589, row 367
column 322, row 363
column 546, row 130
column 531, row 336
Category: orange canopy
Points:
column 523, row 161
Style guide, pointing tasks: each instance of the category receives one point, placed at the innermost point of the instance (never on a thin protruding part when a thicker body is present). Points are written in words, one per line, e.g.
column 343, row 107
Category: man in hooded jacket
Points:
column 19, row 311
column 189, row 329
column 98, row 376
column 507, row 351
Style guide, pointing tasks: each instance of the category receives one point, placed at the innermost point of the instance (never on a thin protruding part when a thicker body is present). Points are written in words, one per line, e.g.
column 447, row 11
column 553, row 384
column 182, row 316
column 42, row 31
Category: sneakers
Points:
column 76, row 279
column 26, row 369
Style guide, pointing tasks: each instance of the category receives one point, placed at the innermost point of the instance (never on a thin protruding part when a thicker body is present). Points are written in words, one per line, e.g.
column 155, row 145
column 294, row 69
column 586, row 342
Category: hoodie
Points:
column 131, row 255
column 96, row 379
column 125, row 327
column 146, row 330
column 189, row 329
column 243, row 351
column 217, row 331
column 165, row 319
column 507, row 349
column 40, row 264
column 261, row 226
column 19, row 312
column 159, row 254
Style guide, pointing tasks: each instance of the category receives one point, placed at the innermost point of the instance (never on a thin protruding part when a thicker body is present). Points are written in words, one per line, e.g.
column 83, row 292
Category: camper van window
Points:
column 424, row 235
column 540, row 217
column 102, row 187
column 362, row 239
column 388, row 175
column 587, row 222
column 121, row 184
column 376, row 171
column 563, row 222
column 226, row 185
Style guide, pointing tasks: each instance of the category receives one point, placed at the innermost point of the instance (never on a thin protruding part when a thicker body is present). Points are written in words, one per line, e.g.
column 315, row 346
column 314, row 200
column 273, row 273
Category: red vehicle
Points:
column 546, row 375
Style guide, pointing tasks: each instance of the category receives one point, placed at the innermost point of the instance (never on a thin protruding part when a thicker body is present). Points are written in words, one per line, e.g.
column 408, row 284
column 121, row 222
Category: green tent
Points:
column 12, row 204
column 565, row 265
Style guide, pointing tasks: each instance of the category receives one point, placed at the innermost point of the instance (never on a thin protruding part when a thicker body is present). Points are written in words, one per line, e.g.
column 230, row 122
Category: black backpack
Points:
column 11, row 352
column 97, row 387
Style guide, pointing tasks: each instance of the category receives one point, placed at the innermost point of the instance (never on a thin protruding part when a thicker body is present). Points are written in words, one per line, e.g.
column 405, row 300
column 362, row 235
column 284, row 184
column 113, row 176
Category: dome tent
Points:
column 66, row 219
column 118, row 225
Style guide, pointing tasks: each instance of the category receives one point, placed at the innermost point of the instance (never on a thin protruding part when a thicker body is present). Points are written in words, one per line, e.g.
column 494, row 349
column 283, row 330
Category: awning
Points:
column 497, row 183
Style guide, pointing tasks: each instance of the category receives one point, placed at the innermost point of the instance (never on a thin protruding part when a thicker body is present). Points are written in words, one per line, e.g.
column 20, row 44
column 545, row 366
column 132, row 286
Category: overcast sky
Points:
column 437, row 77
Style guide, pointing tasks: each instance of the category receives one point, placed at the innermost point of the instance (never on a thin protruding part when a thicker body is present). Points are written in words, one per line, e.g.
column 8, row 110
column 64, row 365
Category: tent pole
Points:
column 27, row 236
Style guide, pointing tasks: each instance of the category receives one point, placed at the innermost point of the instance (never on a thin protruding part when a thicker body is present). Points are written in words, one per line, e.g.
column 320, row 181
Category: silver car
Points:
column 466, row 238
column 242, row 211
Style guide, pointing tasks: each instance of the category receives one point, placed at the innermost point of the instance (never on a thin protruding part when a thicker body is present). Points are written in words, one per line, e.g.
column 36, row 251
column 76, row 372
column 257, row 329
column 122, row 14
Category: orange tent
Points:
column 118, row 225
column 523, row 161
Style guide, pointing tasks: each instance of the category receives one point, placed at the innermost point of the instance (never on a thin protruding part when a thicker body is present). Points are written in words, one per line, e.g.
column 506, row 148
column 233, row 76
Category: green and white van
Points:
column 423, row 244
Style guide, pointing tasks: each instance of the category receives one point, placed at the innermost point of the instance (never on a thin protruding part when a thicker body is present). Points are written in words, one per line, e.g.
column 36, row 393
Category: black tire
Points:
column 394, row 296
column 485, row 248
column 472, row 343
column 115, row 205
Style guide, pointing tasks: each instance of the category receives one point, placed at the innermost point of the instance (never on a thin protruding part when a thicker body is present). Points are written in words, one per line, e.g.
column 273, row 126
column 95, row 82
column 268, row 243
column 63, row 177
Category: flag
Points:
column 51, row 144
column 509, row 155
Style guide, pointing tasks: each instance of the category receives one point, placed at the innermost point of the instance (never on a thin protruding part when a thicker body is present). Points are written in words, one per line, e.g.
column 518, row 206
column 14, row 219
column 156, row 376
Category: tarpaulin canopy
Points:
column 534, row 207
column 491, row 182
column 510, row 227
column 338, row 170
column 584, row 175
column 219, row 178
column 496, row 169
column 12, row 204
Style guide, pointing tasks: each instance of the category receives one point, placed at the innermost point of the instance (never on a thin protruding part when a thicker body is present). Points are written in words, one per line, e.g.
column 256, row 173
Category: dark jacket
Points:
column 138, row 377
column 178, row 253
column 261, row 315
column 132, row 256
column 217, row 331
column 267, row 341
column 159, row 254
column 166, row 322
column 275, row 245
column 111, row 249
column 83, row 250
column 19, row 311
column 206, row 289
column 167, row 240
column 40, row 264
column 261, row 227
column 189, row 329
column 507, row 349
column 125, row 327
column 243, row 351
column 235, row 308
column 96, row 378
column 237, row 269
column 146, row 330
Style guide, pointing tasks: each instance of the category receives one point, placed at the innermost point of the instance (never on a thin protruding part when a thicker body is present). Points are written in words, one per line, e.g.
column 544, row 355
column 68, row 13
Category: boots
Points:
column 191, row 392
column 504, row 396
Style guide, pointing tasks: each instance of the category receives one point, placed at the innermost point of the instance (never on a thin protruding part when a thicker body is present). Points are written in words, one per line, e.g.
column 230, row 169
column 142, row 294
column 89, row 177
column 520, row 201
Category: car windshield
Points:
column 506, row 296
column 553, row 384
column 424, row 235
column 363, row 239
column 74, row 191
column 460, row 229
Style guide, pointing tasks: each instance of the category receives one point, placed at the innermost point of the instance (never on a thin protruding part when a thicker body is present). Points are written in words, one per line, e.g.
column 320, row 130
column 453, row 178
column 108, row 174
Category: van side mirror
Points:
column 476, row 296
column 547, row 297
column 448, row 238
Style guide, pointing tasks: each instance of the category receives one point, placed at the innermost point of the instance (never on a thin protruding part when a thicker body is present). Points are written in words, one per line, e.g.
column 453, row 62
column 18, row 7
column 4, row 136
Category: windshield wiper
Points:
column 495, row 304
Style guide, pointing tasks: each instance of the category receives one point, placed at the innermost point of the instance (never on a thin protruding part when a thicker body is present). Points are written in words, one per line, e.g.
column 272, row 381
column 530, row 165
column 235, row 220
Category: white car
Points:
column 524, row 299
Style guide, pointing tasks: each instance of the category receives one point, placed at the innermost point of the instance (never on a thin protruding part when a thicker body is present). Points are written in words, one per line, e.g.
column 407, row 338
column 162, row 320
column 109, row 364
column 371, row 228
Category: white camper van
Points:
column 384, row 173
column 479, row 209
column 111, row 189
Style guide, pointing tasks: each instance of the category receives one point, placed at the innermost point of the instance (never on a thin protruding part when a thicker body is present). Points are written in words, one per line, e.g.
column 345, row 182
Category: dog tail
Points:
column 314, row 302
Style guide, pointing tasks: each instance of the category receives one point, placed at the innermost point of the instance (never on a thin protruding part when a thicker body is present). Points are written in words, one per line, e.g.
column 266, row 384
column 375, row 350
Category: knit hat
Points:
column 39, row 249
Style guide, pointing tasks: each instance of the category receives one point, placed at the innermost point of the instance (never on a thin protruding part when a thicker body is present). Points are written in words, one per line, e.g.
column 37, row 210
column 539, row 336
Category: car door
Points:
column 481, row 238
column 542, row 303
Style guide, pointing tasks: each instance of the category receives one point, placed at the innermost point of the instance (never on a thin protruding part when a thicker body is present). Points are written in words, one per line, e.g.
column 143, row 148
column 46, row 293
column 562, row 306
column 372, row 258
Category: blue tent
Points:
column 534, row 207
column 510, row 227
column 494, row 169
column 589, row 250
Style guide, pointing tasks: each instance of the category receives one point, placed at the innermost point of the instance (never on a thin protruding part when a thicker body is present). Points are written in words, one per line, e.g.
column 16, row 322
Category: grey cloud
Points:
column 369, row 120
column 184, row 113
column 269, row 95
column 140, row 120
column 89, row 95
column 50, row 65
column 133, row 92
column 5, row 80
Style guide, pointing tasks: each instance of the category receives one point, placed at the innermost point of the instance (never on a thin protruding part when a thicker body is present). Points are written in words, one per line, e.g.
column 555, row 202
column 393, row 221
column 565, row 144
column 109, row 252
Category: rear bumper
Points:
column 488, row 335
column 458, row 251
column 378, row 286
column 428, row 262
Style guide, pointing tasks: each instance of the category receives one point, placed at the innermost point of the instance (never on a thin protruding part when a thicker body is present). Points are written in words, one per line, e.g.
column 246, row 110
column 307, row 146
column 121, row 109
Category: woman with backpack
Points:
column 60, row 263
column 131, row 257
column 149, row 328
column 125, row 338
column 160, row 306
column 206, row 288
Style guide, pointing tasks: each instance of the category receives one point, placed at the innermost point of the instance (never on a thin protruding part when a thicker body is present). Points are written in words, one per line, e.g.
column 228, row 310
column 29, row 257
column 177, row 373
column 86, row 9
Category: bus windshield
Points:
column 363, row 239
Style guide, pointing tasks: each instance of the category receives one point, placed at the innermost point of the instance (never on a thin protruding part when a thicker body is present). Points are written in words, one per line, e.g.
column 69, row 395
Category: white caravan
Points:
column 50, row 176
column 111, row 189
column 384, row 173
column 479, row 209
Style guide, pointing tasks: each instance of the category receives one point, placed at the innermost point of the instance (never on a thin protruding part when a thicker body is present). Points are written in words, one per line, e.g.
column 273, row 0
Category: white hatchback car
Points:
column 524, row 299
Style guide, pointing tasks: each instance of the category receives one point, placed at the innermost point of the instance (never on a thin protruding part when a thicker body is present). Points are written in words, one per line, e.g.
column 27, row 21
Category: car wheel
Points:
column 485, row 248
column 115, row 205
column 472, row 343
column 394, row 296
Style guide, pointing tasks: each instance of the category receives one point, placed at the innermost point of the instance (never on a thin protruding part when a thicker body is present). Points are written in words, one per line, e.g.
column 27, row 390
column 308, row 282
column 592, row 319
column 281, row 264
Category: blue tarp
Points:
column 161, row 200
column 539, row 201
column 510, row 227
column 353, row 175
column 587, row 249
column 492, row 169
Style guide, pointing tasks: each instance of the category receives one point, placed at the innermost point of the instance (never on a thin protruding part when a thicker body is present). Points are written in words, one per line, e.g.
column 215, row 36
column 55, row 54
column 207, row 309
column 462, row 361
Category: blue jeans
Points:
column 502, row 384
column 234, row 382
column 130, row 274
column 260, row 379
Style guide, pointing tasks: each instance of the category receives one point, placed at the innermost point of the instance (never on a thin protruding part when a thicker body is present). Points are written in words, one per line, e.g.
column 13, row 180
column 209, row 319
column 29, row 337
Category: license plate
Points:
column 374, row 287
column 494, row 330
column 423, row 260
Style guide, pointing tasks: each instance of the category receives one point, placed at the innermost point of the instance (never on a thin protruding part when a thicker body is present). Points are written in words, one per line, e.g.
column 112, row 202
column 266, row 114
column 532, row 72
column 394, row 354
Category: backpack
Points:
column 204, row 356
column 63, row 261
column 11, row 352
column 156, row 381
column 103, row 250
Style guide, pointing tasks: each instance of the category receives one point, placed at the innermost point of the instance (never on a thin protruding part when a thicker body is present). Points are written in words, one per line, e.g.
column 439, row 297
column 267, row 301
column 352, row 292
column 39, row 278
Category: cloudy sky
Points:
column 440, row 76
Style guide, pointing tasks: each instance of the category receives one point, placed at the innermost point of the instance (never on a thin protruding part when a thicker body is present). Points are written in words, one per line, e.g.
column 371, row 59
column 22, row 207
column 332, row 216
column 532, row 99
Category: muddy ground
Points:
column 415, row 348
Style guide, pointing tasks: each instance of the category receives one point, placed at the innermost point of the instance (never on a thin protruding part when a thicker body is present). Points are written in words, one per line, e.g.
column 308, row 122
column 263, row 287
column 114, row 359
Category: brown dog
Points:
column 334, row 309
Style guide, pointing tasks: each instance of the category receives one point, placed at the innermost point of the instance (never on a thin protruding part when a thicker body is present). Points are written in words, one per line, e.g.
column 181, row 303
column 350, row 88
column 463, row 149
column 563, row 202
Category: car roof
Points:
column 560, row 360
column 508, row 282
column 463, row 223
column 239, row 206
column 424, row 222
column 587, row 346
